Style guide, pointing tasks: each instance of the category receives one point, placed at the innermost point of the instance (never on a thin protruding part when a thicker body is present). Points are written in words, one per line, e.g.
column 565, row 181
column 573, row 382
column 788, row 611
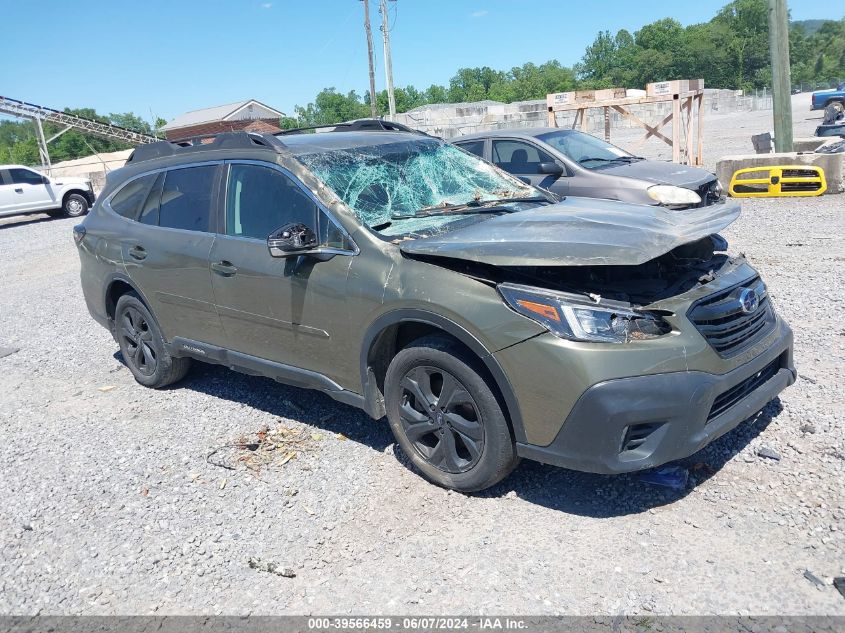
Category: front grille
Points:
column 736, row 393
column 813, row 185
column 724, row 322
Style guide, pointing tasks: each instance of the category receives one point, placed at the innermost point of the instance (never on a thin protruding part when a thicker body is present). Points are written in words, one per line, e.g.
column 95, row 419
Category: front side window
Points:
column 25, row 177
column 586, row 150
column 186, row 199
column 385, row 184
column 260, row 200
column 518, row 157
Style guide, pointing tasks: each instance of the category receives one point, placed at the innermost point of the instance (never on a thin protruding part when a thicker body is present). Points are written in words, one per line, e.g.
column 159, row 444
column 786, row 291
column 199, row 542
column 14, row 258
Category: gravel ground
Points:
column 109, row 506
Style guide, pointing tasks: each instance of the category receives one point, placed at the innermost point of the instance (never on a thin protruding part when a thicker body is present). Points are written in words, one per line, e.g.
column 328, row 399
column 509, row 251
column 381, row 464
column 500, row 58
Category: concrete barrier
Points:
column 810, row 143
column 832, row 164
column 450, row 120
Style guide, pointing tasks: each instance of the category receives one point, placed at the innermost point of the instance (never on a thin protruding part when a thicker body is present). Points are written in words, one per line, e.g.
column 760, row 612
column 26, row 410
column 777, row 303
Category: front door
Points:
column 24, row 190
column 287, row 310
column 523, row 159
column 166, row 252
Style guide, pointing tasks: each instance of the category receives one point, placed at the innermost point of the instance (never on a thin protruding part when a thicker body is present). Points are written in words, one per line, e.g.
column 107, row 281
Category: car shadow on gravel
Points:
column 573, row 492
column 301, row 405
column 26, row 221
column 605, row 496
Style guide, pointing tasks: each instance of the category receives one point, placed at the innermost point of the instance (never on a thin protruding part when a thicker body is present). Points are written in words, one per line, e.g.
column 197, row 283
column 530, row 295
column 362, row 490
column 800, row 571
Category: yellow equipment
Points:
column 778, row 180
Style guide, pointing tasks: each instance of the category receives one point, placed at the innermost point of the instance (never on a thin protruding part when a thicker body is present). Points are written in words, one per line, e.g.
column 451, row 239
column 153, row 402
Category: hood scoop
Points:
column 577, row 232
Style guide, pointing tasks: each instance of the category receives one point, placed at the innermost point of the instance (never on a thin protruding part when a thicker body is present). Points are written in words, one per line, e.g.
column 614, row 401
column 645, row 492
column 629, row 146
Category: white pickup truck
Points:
column 24, row 190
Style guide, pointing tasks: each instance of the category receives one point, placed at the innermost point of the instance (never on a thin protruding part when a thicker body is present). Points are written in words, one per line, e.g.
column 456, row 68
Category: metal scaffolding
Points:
column 40, row 114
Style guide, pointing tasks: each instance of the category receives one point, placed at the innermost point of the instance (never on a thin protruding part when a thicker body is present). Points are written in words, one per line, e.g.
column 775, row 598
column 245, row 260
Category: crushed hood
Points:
column 661, row 173
column 577, row 232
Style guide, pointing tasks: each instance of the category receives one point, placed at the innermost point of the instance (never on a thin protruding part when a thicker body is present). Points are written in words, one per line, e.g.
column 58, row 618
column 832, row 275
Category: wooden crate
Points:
column 674, row 87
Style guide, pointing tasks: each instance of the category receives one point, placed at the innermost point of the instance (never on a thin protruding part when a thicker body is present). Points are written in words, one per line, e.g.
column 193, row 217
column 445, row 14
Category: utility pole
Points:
column 373, row 110
column 388, row 64
column 781, row 82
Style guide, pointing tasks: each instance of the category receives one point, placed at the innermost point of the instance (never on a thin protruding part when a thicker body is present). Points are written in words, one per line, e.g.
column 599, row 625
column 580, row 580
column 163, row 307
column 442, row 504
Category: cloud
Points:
column 479, row 14
column 267, row 5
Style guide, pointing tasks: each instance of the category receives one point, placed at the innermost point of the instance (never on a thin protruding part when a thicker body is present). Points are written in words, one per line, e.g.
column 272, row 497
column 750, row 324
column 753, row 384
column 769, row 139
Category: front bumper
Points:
column 90, row 197
column 630, row 424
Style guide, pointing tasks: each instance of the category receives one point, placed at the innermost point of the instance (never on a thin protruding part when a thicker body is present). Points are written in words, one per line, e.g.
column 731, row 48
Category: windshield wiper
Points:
column 598, row 159
column 453, row 210
column 474, row 206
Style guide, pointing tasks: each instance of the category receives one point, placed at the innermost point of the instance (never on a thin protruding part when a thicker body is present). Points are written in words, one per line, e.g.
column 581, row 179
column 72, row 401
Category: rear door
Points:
column 288, row 310
column 522, row 159
column 166, row 251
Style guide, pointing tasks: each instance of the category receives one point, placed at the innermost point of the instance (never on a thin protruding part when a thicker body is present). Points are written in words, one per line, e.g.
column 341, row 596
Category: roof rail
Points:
column 358, row 125
column 225, row 140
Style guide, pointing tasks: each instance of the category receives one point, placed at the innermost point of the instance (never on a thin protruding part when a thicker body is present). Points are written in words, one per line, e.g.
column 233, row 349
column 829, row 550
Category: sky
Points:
column 161, row 58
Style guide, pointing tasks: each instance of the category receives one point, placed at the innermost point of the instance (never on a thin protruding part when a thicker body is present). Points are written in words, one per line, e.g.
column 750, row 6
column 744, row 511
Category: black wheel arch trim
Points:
column 412, row 315
column 124, row 278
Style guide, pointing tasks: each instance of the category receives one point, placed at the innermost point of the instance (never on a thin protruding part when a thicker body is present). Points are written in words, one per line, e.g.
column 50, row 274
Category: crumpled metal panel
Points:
column 577, row 232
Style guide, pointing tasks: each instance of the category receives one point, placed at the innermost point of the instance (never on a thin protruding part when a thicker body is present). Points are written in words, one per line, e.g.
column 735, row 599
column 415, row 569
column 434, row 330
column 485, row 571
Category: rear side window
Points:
column 149, row 212
column 186, row 198
column 473, row 147
column 25, row 177
column 127, row 202
column 261, row 200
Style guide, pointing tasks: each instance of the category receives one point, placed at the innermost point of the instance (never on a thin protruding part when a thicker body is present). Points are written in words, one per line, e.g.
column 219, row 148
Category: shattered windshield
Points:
column 384, row 184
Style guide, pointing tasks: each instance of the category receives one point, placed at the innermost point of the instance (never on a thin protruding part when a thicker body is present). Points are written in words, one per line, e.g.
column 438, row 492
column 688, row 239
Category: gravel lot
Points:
column 109, row 506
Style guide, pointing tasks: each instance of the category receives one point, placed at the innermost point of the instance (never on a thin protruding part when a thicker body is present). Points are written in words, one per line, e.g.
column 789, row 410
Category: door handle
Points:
column 224, row 268
column 19, row 190
column 137, row 252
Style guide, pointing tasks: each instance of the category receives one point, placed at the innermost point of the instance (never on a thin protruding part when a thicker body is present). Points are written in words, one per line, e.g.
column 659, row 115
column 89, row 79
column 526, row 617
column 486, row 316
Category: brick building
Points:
column 250, row 115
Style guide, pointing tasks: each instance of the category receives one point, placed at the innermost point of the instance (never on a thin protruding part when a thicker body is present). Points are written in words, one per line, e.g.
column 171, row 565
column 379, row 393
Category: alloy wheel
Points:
column 137, row 338
column 440, row 419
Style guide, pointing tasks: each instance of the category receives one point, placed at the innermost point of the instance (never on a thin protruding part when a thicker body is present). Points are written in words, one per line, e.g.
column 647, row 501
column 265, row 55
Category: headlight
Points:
column 571, row 317
column 673, row 196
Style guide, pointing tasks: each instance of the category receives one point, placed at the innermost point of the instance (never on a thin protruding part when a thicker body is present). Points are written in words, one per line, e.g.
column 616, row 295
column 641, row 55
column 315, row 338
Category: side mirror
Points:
column 291, row 239
column 45, row 180
column 552, row 169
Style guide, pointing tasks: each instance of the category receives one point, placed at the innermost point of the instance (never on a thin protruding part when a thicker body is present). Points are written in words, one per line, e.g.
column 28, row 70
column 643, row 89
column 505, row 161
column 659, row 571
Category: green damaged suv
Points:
column 486, row 319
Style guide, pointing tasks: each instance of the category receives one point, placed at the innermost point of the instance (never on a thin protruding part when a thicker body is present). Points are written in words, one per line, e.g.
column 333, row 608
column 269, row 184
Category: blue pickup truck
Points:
column 824, row 98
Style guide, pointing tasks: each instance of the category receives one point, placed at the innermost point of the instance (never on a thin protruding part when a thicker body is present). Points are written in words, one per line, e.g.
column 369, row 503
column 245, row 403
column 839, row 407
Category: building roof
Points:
column 216, row 113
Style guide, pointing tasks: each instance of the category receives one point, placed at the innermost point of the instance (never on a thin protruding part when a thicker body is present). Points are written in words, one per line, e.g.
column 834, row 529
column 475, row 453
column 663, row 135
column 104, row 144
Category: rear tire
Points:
column 446, row 417
column 75, row 205
column 142, row 345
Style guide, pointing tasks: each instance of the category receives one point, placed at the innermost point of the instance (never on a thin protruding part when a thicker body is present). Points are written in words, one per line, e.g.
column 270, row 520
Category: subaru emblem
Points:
column 748, row 300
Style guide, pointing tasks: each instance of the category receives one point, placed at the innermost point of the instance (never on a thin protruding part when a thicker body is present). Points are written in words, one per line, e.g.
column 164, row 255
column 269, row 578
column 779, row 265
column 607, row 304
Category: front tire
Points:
column 446, row 417
column 75, row 205
column 142, row 345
